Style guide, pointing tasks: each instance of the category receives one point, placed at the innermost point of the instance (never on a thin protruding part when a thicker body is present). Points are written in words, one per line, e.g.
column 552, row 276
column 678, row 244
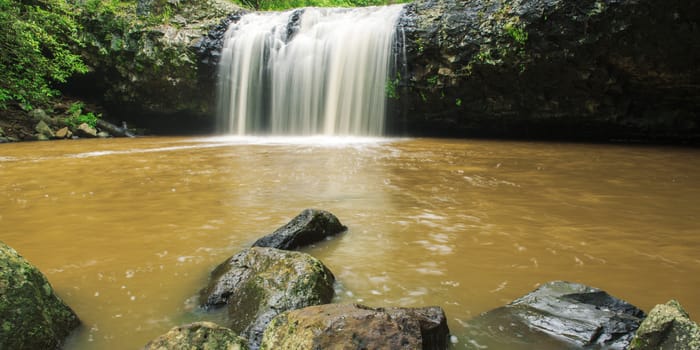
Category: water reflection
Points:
column 128, row 231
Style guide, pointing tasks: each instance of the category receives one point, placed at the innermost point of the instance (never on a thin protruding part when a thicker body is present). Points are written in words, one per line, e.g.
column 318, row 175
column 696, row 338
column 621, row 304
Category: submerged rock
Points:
column 257, row 284
column 311, row 226
column 32, row 316
column 559, row 315
column 345, row 326
column 667, row 326
column 198, row 335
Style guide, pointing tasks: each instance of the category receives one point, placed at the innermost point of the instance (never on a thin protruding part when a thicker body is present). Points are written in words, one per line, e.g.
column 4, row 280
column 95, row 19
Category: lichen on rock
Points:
column 32, row 315
column 348, row 326
column 198, row 335
column 667, row 326
column 257, row 284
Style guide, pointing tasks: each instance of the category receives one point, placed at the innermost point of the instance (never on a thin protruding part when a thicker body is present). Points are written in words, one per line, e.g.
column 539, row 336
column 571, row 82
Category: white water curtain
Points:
column 329, row 78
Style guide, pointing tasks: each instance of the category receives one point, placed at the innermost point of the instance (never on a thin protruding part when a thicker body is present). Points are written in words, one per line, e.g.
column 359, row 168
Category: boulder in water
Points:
column 667, row 326
column 311, row 226
column 32, row 316
column 257, row 284
column 198, row 335
column 559, row 315
column 358, row 327
column 64, row 133
column 85, row 130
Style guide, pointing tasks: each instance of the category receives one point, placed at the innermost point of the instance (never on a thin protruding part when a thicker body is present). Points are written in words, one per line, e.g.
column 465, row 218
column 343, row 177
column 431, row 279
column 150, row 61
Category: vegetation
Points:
column 516, row 32
column 39, row 41
column 42, row 40
column 392, row 86
column 76, row 116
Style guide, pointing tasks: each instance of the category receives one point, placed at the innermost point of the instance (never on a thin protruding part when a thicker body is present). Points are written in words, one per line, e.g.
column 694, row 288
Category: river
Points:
column 127, row 230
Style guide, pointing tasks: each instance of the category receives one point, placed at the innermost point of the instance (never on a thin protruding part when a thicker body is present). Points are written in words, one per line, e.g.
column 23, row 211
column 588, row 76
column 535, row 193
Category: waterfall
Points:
column 307, row 72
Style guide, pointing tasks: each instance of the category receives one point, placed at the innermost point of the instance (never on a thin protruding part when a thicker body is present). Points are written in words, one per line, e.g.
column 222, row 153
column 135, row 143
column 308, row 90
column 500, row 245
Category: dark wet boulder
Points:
column 559, row 315
column 310, row 226
column 257, row 284
column 667, row 326
column 32, row 316
column 198, row 335
column 348, row 326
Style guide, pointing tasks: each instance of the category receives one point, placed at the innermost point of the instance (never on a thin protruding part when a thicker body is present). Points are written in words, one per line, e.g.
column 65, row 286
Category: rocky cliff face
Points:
column 549, row 68
column 590, row 69
column 148, row 63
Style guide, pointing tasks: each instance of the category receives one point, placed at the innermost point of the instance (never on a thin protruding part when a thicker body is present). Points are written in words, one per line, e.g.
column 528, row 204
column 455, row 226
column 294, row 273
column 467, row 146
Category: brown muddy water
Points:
column 128, row 231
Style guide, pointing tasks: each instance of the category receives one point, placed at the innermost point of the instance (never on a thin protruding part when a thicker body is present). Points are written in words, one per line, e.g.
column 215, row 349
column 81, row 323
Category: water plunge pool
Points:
column 128, row 232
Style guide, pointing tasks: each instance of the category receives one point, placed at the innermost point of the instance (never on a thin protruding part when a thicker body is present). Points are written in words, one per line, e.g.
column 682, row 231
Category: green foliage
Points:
column 392, row 86
column 423, row 97
column 77, row 117
column 421, row 46
column 458, row 102
column 39, row 41
column 433, row 80
column 516, row 32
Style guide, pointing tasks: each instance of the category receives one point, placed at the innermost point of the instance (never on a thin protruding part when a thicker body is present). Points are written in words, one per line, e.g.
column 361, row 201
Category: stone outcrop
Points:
column 667, row 326
column 44, row 130
column 559, row 315
column 198, row 335
column 64, row 133
column 32, row 316
column 310, row 226
column 549, row 68
column 145, row 62
column 345, row 326
column 257, row 284
column 565, row 69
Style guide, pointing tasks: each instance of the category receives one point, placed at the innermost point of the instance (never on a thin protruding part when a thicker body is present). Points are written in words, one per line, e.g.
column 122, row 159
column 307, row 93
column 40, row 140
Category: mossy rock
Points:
column 347, row 326
column 667, row 326
column 32, row 315
column 257, row 284
column 198, row 335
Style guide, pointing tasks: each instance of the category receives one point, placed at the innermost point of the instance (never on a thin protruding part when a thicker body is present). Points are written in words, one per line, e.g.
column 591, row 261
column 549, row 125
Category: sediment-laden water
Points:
column 128, row 231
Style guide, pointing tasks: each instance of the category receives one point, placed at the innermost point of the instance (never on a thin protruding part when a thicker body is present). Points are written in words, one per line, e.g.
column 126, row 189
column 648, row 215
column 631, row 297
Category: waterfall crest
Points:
column 306, row 72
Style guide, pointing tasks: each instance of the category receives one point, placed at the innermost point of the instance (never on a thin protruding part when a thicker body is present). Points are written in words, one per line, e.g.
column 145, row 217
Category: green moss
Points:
column 433, row 80
column 33, row 317
column 420, row 45
column 423, row 97
column 515, row 31
column 391, row 88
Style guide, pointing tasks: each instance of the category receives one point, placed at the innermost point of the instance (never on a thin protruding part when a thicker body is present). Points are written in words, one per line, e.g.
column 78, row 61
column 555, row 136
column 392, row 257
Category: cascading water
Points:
column 306, row 72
